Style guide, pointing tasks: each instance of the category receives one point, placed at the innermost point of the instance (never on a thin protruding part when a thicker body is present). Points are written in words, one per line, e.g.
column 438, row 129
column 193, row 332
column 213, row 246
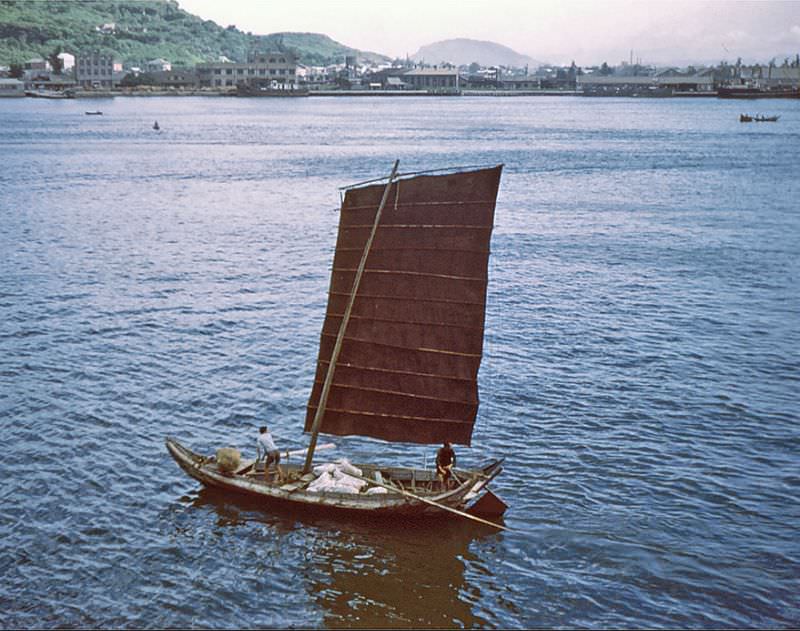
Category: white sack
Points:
column 343, row 464
column 324, row 468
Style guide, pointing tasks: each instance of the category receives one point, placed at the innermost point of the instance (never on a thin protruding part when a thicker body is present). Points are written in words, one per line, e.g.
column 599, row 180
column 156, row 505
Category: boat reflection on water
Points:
column 369, row 572
column 398, row 575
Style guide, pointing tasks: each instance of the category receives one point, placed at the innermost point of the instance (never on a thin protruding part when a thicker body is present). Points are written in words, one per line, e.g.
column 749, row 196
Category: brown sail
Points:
column 408, row 365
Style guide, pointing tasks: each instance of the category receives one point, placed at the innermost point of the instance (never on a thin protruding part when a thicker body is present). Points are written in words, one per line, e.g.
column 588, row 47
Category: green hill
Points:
column 143, row 30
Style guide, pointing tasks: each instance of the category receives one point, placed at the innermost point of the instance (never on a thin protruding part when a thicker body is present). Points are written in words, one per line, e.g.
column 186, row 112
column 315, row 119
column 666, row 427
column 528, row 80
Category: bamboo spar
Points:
column 323, row 397
column 431, row 502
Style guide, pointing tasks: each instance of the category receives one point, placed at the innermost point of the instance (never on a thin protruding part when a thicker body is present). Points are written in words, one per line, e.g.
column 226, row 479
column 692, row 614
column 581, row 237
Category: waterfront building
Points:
column 312, row 77
column 395, row 83
column 37, row 64
column 480, row 81
column 50, row 81
column 157, row 65
column 679, row 81
column 438, row 79
column 664, row 83
column 277, row 69
column 11, row 87
column 520, row 82
column 96, row 70
column 176, row 79
column 389, row 78
column 613, row 85
column 770, row 76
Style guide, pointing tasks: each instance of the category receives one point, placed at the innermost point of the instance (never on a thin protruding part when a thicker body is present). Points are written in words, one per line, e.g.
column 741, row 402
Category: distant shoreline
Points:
column 94, row 94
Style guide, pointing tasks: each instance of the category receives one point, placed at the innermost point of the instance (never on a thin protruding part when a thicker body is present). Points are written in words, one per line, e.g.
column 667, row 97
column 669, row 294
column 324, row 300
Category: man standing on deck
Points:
column 445, row 461
column 267, row 445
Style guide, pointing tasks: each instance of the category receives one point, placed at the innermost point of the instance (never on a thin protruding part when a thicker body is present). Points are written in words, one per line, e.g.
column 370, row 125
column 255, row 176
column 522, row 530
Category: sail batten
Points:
column 404, row 273
column 437, row 419
column 419, row 226
column 406, row 205
column 419, row 349
column 334, row 316
column 445, row 301
column 351, row 387
column 408, row 360
column 389, row 248
column 372, row 369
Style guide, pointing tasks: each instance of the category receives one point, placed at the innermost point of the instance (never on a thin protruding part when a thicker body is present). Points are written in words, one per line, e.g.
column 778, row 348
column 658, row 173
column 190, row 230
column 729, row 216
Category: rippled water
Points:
column 641, row 368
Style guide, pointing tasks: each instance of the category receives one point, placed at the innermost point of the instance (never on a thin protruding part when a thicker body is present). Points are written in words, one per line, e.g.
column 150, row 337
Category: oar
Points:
column 431, row 502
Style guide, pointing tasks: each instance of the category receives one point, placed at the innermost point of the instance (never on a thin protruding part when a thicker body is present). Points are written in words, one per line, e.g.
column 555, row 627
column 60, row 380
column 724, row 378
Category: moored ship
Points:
column 756, row 92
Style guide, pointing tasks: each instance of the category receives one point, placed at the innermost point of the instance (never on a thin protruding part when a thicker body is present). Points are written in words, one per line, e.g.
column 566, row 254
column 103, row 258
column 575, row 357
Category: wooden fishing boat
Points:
column 410, row 492
column 400, row 347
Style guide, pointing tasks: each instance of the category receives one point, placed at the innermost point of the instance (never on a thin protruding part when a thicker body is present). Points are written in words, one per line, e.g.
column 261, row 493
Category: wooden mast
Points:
column 323, row 399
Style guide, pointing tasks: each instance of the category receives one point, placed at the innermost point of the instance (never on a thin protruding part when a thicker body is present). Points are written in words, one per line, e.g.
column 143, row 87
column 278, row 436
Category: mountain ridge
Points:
column 146, row 29
column 463, row 51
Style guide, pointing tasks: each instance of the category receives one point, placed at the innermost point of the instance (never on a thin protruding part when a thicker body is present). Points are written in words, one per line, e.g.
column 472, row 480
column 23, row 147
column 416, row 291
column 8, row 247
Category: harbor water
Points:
column 640, row 374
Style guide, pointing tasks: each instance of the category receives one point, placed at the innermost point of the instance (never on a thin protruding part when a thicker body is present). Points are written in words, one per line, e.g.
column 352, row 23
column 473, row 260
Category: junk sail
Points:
column 408, row 366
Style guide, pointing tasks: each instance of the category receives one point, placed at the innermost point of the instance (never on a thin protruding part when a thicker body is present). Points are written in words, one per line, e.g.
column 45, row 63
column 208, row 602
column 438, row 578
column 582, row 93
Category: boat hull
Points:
column 468, row 492
column 756, row 93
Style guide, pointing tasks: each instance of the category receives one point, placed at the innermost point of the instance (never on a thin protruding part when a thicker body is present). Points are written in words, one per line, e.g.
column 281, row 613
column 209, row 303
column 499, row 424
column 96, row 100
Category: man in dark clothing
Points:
column 445, row 461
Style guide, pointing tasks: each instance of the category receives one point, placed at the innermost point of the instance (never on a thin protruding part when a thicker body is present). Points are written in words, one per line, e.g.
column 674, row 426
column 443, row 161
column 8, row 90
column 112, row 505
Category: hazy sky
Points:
column 678, row 31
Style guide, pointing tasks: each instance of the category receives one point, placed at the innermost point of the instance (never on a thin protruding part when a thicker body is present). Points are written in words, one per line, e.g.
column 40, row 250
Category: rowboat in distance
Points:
column 746, row 118
column 399, row 354
column 95, row 113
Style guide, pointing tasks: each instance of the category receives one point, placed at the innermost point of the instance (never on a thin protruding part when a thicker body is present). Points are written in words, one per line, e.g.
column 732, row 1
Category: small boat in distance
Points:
column 746, row 118
column 155, row 126
column 50, row 94
column 399, row 352
column 95, row 113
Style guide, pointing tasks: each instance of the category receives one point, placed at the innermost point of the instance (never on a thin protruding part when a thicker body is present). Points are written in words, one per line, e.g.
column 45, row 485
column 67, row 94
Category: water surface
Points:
column 640, row 371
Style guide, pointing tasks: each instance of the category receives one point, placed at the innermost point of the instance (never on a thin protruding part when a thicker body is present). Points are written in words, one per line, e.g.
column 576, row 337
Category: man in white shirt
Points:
column 267, row 445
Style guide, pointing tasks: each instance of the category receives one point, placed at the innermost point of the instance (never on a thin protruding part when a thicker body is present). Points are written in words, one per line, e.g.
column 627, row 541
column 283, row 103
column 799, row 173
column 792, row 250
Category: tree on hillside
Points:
column 56, row 63
column 132, row 80
column 605, row 70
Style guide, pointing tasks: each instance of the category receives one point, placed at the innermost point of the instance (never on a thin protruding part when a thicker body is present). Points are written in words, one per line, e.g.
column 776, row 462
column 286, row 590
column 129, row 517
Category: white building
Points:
column 67, row 60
